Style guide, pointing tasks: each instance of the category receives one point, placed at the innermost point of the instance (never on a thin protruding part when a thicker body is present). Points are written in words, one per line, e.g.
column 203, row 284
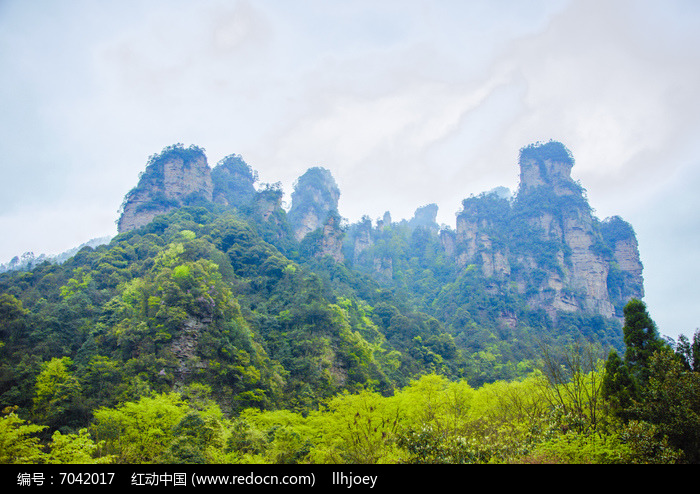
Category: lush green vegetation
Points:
column 491, row 318
column 563, row 414
column 212, row 336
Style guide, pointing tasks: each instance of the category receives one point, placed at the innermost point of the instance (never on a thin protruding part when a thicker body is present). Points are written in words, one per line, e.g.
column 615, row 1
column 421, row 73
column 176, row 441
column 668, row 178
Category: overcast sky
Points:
column 406, row 102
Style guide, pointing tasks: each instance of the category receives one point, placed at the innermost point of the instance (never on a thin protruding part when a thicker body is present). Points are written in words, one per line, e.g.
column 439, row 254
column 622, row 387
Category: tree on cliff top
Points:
column 552, row 151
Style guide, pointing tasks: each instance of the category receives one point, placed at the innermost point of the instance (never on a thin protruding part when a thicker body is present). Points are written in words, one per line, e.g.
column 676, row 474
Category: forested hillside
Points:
column 219, row 327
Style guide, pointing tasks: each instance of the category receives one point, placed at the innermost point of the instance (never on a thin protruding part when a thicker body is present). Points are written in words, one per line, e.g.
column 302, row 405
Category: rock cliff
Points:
column 543, row 244
column 314, row 198
column 177, row 176
column 234, row 182
column 564, row 258
column 314, row 216
column 625, row 280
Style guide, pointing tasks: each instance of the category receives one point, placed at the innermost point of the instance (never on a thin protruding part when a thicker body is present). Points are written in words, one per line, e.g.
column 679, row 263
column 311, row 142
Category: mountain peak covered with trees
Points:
column 544, row 244
column 253, row 333
column 539, row 255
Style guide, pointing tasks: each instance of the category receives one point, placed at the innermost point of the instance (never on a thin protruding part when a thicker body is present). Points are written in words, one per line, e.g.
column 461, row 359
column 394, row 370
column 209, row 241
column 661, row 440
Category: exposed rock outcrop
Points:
column 480, row 232
column 314, row 198
column 234, row 182
column 555, row 205
column 184, row 348
column 363, row 239
column 332, row 239
column 543, row 243
column 547, row 165
column 625, row 280
column 426, row 217
column 314, row 216
column 588, row 269
column 565, row 257
column 177, row 176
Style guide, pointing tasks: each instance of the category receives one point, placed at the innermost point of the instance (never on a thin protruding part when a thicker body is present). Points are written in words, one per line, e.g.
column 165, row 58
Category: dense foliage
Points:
column 211, row 335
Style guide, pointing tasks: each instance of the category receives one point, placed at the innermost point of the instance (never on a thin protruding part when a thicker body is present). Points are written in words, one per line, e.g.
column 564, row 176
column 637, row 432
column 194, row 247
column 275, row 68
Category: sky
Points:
column 406, row 102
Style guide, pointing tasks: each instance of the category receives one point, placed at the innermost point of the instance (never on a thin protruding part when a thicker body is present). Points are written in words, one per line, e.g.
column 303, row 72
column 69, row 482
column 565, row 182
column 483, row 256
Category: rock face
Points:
column 552, row 201
column 547, row 165
column 363, row 239
column 332, row 239
column 314, row 216
column 176, row 177
column 426, row 217
column 234, row 182
column 565, row 259
column 314, row 198
column 542, row 245
column 625, row 279
column 478, row 236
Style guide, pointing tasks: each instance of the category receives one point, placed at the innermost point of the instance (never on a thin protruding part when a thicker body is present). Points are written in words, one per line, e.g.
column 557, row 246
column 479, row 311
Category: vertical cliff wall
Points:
column 176, row 177
column 544, row 244
column 314, row 216
column 559, row 254
column 234, row 182
column 314, row 198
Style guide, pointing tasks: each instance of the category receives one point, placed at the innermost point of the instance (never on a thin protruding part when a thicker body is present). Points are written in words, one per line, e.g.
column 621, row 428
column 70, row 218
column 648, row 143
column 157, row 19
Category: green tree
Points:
column 671, row 401
column 18, row 443
column 575, row 376
column 140, row 431
column 641, row 339
column 73, row 448
column 619, row 389
column 192, row 435
column 274, row 436
column 689, row 352
column 12, row 320
column 356, row 428
column 58, row 394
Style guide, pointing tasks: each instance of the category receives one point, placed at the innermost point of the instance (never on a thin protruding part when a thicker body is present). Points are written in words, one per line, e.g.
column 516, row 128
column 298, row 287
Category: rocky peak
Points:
column 363, row 238
column 547, row 165
column 625, row 280
column 314, row 198
column 233, row 181
column 426, row 217
column 385, row 220
column 177, row 176
column 555, row 206
column 547, row 242
column 480, row 218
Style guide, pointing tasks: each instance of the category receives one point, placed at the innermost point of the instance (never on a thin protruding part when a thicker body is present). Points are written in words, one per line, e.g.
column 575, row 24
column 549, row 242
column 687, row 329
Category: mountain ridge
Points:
column 581, row 269
column 212, row 282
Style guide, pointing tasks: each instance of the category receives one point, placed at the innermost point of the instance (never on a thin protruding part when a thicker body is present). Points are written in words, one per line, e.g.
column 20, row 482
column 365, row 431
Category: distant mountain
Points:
column 28, row 260
column 543, row 245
